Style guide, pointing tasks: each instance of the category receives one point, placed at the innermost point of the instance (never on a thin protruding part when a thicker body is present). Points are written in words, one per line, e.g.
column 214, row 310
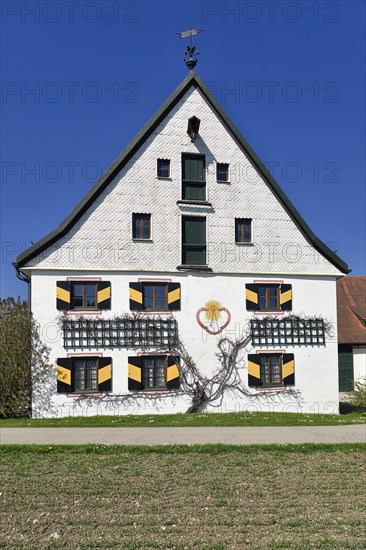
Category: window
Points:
column 155, row 296
column 243, row 230
column 222, row 172
column 141, row 226
column 268, row 296
column 193, row 177
column 271, row 369
column 194, row 240
column 85, row 374
column 163, row 168
column 84, row 295
column 153, row 372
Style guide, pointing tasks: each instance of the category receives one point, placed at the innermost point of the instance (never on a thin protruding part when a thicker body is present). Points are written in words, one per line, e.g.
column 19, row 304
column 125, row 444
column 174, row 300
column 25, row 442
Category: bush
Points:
column 358, row 397
column 22, row 356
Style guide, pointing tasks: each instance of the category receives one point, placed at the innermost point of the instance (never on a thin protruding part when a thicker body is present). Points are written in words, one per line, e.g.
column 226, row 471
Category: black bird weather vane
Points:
column 190, row 56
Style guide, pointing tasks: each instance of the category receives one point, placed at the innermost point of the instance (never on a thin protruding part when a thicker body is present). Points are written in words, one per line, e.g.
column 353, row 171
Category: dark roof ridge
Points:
column 191, row 79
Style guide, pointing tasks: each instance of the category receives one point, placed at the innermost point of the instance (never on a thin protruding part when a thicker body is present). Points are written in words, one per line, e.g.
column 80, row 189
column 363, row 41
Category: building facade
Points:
column 185, row 234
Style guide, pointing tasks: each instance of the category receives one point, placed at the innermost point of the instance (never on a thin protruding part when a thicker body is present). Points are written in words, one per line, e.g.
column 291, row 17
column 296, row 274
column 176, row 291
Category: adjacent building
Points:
column 351, row 306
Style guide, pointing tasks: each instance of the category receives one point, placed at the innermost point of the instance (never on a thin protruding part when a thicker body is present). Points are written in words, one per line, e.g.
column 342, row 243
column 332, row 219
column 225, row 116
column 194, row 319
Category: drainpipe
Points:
column 22, row 277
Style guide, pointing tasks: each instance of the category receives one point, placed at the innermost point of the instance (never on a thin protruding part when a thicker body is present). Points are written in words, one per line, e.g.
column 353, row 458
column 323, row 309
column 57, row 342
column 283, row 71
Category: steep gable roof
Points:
column 192, row 80
column 351, row 307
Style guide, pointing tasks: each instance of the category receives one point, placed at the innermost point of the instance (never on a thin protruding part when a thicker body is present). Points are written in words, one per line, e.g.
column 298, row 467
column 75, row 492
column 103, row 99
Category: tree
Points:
column 23, row 357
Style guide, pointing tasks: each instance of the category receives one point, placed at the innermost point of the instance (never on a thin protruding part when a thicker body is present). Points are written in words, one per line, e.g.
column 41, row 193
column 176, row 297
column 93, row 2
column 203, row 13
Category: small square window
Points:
column 163, row 168
column 83, row 295
column 222, row 172
column 141, row 226
column 85, row 374
column 243, row 230
column 155, row 296
column 269, row 297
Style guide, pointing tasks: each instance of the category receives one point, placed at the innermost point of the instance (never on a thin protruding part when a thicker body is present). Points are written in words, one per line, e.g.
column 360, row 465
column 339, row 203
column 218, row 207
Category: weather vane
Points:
column 190, row 56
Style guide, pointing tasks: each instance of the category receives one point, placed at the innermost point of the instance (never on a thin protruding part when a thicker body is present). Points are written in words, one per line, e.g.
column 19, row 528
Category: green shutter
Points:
column 194, row 240
column 136, row 297
column 104, row 295
column 172, row 373
column 135, row 373
column 288, row 369
column 194, row 177
column 64, row 375
column 63, row 295
column 194, row 168
column 254, row 370
column 251, row 296
column 286, row 297
column 174, row 296
column 105, row 374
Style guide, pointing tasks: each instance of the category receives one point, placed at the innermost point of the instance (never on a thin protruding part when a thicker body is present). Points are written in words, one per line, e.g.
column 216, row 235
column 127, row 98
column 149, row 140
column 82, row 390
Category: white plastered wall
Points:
column 316, row 368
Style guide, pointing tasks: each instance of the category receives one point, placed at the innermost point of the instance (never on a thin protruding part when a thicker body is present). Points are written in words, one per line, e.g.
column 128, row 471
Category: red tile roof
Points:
column 351, row 304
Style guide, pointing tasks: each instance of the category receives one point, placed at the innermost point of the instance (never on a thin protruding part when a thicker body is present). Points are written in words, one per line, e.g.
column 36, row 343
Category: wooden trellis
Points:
column 287, row 332
column 121, row 333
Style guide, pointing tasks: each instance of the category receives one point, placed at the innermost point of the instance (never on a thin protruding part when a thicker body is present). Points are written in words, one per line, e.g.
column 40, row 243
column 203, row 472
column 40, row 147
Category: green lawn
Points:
column 181, row 420
column 212, row 497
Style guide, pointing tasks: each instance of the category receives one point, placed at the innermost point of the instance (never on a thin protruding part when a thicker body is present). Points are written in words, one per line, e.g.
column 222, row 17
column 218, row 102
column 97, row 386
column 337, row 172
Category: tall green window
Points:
column 194, row 240
column 193, row 177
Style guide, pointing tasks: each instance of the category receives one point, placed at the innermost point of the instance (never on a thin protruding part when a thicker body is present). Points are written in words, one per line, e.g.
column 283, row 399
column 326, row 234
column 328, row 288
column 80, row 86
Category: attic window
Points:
column 222, row 172
column 163, row 168
column 141, row 226
column 193, row 127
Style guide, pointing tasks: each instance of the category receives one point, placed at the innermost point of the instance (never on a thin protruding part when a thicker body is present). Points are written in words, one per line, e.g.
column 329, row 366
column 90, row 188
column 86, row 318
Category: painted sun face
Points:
column 213, row 312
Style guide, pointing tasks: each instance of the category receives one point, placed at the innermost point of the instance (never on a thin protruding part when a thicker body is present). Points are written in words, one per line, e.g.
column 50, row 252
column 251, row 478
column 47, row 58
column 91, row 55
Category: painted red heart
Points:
column 205, row 309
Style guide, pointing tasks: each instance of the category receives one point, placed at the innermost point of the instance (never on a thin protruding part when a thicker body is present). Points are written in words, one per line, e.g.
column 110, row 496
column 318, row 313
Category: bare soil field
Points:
column 213, row 497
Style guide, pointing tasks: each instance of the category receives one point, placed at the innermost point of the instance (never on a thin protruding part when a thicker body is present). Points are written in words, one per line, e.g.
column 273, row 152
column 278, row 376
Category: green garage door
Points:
column 345, row 368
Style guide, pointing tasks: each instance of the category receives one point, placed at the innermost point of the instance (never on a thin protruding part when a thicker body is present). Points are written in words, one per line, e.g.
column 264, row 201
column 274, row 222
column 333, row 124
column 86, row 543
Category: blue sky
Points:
column 80, row 79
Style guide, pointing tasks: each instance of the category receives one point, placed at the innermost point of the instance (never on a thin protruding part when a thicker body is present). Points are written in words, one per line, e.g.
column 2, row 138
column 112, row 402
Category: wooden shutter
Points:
column 136, row 297
column 251, row 296
column 64, row 375
column 194, row 240
column 104, row 295
column 286, row 297
column 63, row 295
column 172, row 372
column 254, row 370
column 174, row 296
column 288, row 369
column 194, row 168
column 105, row 374
column 135, row 373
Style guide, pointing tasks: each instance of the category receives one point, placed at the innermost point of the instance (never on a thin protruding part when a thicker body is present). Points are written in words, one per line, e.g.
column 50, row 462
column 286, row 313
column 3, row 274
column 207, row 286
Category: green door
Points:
column 194, row 240
column 345, row 368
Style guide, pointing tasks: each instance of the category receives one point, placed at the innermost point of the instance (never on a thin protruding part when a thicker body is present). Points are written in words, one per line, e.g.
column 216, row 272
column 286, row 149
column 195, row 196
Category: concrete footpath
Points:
column 355, row 433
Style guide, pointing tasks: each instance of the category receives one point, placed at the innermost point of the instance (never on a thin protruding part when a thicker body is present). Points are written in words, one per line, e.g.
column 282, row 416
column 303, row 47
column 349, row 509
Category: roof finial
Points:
column 190, row 56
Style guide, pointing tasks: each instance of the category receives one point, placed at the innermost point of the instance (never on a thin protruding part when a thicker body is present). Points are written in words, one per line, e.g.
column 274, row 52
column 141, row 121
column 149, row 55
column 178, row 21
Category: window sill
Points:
column 142, row 240
column 184, row 202
column 249, row 243
column 164, row 178
column 273, row 388
column 223, row 181
column 194, row 268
